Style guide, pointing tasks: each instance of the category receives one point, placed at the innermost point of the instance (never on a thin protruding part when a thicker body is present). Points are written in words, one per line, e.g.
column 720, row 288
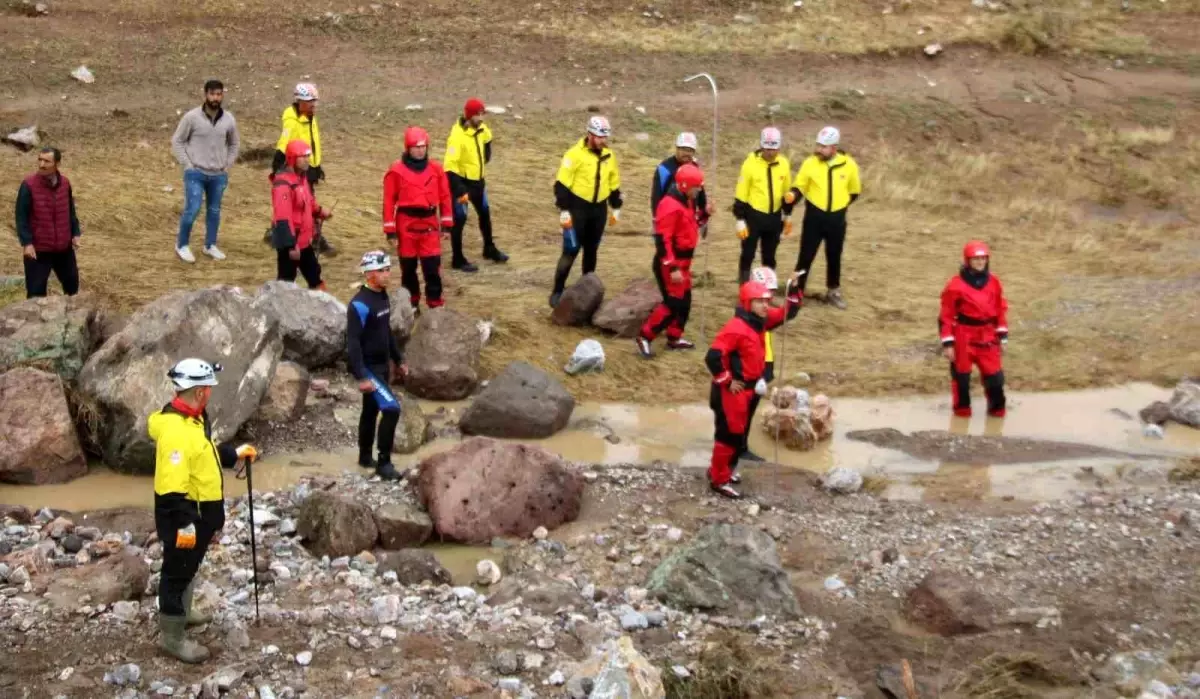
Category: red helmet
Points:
column 295, row 150
column 415, row 136
column 975, row 248
column 751, row 291
column 473, row 107
column 688, row 177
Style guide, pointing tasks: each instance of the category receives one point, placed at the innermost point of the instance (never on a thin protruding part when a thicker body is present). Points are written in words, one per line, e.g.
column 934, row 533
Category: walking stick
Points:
column 711, row 178
column 247, row 473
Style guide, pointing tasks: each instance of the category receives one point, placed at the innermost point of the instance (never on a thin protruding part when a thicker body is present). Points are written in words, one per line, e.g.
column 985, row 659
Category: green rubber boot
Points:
column 174, row 641
column 193, row 618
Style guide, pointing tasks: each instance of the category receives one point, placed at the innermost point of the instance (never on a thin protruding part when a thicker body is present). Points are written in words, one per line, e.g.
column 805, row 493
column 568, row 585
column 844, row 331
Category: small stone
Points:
column 354, row 642
column 556, row 679
column 681, row 672
column 66, row 674
column 842, row 480
column 304, row 658
column 509, row 684
column 545, row 643
column 674, row 534
column 487, row 572
column 540, row 533
column 265, row 692
column 125, row 675
column 125, row 610
column 636, row 595
column 237, row 637
column 271, row 650
column 413, row 107
column 20, row 576
column 932, row 50
column 533, row 661
column 1153, row 431
column 637, row 560
column 506, row 663
column 656, row 619
column 83, row 75
column 753, row 510
column 633, row 621
column 590, row 476
column 834, row 584
column 465, row 594
column 495, row 110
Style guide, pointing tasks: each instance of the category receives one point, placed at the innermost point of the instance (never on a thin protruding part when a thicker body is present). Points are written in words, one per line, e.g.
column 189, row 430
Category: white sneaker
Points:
column 214, row 252
column 185, row 254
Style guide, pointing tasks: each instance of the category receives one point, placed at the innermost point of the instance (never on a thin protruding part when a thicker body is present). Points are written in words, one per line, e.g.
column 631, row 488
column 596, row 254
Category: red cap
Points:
column 415, row 136
column 472, row 108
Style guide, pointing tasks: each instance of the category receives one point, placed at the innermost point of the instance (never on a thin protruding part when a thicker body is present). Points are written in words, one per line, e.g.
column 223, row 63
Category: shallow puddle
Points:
column 614, row 434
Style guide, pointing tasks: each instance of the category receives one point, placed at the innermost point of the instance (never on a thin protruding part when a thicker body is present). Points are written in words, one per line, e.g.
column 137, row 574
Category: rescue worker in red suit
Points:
column 295, row 215
column 737, row 361
column 677, row 221
column 974, row 327
column 417, row 210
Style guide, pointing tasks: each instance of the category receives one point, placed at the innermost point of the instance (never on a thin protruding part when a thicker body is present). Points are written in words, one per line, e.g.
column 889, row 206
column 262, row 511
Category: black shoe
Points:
column 493, row 253
column 749, row 456
column 680, row 344
column 366, row 463
column 388, row 472
column 554, row 299
column 325, row 248
column 643, row 347
column 464, row 266
column 726, row 491
column 267, row 237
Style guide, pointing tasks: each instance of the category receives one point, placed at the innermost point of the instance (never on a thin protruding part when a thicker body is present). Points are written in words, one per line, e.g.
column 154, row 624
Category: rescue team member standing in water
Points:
column 374, row 358
column 974, row 327
column 189, row 501
column 588, row 183
column 758, row 203
column 468, row 151
column 737, row 360
column 416, row 206
column 766, row 277
column 676, row 234
column 296, row 215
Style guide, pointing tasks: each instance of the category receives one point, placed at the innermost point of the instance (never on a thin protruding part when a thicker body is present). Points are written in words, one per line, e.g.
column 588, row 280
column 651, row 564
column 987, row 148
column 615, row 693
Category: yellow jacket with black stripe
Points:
column 468, row 150
column 299, row 127
column 188, row 483
column 761, row 185
column 769, row 357
column 829, row 185
column 587, row 177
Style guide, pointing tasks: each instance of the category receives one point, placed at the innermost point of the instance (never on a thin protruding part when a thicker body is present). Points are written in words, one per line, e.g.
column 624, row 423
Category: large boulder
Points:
column 443, row 356
column 312, row 323
column 537, row 591
column 523, row 402
column 403, row 316
column 55, row 334
column 625, row 313
column 414, row 430
column 1184, row 407
column 402, row 526
column 126, row 379
column 413, row 567
column 40, row 444
column 286, row 394
column 579, row 302
column 334, row 526
column 112, row 579
column 483, row 489
column 948, row 604
column 729, row 569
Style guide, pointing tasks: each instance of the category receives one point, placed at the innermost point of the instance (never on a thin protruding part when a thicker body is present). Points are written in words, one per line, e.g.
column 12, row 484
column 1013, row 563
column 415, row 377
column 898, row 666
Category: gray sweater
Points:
column 206, row 145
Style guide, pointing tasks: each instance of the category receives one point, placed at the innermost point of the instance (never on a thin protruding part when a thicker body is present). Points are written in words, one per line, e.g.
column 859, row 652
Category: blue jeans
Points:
column 196, row 186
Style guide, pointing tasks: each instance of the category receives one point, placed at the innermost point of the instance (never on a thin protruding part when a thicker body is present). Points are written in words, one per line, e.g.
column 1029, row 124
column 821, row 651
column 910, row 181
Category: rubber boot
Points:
column 194, row 618
column 174, row 640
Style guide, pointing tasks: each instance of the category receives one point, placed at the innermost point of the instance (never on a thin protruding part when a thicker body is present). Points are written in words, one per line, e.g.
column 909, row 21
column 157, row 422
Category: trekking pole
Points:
column 782, row 356
column 711, row 178
column 246, row 472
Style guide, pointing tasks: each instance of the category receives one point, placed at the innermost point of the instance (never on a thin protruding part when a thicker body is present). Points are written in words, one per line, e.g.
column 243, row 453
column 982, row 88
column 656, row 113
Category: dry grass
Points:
column 726, row 669
column 1004, row 676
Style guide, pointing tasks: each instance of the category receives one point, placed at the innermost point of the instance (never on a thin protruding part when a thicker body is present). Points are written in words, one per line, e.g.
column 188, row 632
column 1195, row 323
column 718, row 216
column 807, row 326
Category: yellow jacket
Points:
column 590, row 176
column 828, row 184
column 468, row 150
column 188, row 483
column 303, row 128
column 761, row 185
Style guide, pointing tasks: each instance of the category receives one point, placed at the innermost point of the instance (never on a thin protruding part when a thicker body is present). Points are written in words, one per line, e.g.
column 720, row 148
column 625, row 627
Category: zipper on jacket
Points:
column 771, row 188
column 599, row 167
column 479, row 154
column 829, row 185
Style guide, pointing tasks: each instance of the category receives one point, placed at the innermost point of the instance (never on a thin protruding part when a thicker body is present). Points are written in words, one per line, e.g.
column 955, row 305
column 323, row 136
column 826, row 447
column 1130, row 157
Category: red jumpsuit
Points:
column 974, row 320
column 294, row 216
column 416, row 209
column 676, row 234
column 738, row 353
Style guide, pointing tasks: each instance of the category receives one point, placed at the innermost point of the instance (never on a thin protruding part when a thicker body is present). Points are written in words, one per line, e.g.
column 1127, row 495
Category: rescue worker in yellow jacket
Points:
column 300, row 124
column 189, row 503
column 468, row 151
column 762, row 216
column 829, row 182
column 587, row 185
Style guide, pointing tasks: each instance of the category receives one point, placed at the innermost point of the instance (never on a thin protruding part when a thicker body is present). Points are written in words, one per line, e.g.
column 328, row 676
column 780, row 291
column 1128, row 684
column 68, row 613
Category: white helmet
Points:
column 770, row 139
column 598, row 126
column 305, row 92
column 687, row 139
column 829, row 136
column 374, row 261
column 192, row 372
column 765, row 276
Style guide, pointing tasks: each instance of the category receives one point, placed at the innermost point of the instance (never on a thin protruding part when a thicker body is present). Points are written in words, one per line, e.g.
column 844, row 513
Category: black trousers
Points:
column 765, row 231
column 477, row 193
column 820, row 227
column 179, row 567
column 308, row 265
column 589, row 222
column 366, row 424
column 431, row 267
column 37, row 272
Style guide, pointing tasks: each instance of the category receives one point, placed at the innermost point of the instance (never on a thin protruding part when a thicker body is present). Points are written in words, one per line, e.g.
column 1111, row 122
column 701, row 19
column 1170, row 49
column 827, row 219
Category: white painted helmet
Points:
column 687, row 139
column 374, row 261
column 829, row 136
column 305, row 92
column 770, row 139
column 765, row 276
column 598, row 126
column 191, row 372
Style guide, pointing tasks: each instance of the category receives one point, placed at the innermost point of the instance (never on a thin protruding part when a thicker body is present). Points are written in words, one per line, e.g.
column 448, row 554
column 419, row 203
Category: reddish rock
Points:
column 579, row 302
column 33, row 560
column 626, row 313
column 949, row 605
column 484, row 488
column 443, row 356
column 40, row 443
column 111, row 580
column 402, row 526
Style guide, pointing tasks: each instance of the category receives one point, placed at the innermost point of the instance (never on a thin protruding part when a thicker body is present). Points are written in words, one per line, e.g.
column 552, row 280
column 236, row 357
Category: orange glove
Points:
column 787, row 226
column 614, row 217
column 789, row 198
column 742, row 231
column 186, row 538
column 464, row 199
column 247, row 452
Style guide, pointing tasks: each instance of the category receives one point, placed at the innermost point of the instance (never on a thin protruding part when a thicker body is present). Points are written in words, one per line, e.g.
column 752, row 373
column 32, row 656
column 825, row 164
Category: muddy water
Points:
column 615, row 433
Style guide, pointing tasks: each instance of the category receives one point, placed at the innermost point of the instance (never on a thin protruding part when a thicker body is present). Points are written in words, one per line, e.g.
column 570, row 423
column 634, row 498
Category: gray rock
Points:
column 842, row 480
column 403, row 315
column 54, row 334
column 26, row 138
column 414, row 430
column 443, row 356
column 522, row 402
column 304, row 658
column 579, row 302
column 509, row 684
column 335, row 526
column 506, row 662
column 537, row 591
column 312, row 323
column 402, row 526
column 1185, row 404
column 40, row 442
column 413, row 567
column 286, row 394
column 727, row 568
column 634, row 621
column 1131, row 671
column 125, row 675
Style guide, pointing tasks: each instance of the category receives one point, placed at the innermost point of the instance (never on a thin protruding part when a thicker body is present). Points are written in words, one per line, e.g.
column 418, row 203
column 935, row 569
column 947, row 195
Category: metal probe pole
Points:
column 710, row 178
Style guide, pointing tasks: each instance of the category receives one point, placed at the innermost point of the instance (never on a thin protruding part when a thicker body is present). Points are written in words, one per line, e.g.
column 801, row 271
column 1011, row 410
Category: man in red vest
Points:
column 417, row 210
column 47, row 227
